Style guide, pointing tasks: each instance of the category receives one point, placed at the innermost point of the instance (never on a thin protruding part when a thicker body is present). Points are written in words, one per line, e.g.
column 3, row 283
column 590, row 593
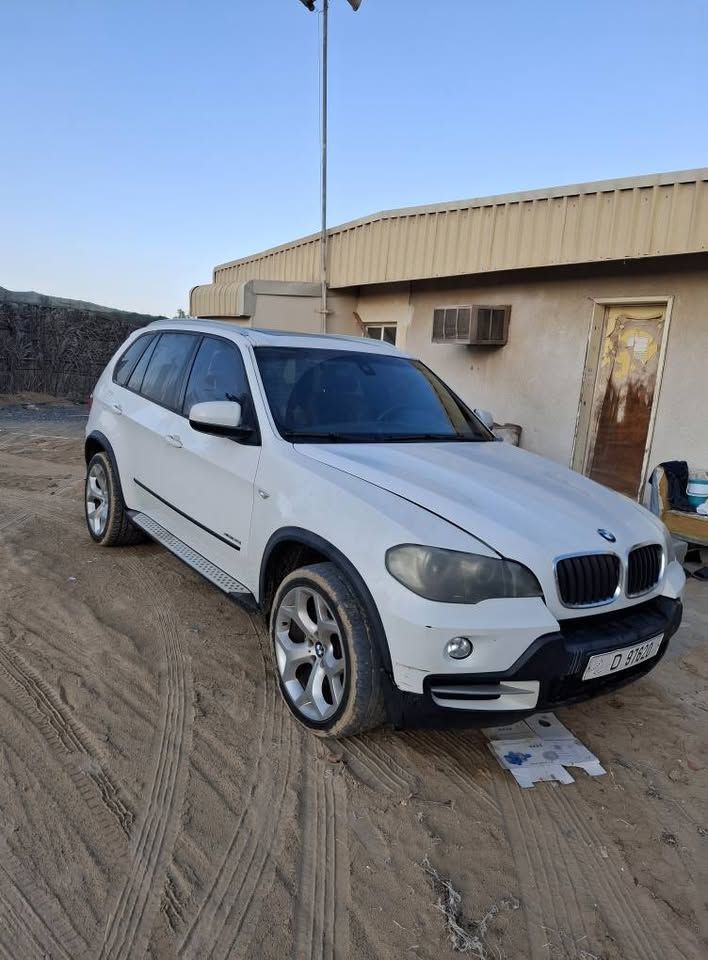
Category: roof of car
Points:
column 281, row 338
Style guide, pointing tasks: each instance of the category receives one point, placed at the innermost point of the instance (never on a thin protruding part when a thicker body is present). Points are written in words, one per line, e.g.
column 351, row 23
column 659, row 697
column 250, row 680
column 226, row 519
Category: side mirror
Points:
column 219, row 417
column 486, row 418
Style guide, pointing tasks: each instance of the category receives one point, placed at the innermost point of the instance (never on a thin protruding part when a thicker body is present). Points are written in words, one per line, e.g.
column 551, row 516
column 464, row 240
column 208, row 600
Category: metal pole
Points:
column 323, row 235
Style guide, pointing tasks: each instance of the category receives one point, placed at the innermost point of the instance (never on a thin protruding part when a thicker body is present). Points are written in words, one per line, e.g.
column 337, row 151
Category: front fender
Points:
column 333, row 554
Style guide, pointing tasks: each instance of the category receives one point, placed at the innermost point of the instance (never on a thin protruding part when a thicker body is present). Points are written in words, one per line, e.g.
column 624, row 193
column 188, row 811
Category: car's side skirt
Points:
column 224, row 581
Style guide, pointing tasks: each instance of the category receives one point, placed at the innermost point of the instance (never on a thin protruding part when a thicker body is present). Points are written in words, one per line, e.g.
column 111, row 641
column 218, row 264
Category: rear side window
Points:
column 135, row 381
column 126, row 364
column 218, row 374
column 164, row 376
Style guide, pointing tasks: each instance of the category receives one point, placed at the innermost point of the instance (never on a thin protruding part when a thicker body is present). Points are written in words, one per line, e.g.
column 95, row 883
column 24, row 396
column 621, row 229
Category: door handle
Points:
column 173, row 440
column 116, row 408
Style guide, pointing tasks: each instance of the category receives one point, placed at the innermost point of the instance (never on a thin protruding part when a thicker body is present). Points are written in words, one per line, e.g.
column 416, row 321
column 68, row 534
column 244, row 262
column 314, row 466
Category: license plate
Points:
column 616, row 660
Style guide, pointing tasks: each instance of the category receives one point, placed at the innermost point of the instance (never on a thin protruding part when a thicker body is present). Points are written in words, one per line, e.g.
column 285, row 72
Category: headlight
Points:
column 452, row 577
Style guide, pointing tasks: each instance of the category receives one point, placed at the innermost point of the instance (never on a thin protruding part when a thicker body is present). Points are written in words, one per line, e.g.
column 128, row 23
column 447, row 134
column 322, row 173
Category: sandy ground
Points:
column 157, row 800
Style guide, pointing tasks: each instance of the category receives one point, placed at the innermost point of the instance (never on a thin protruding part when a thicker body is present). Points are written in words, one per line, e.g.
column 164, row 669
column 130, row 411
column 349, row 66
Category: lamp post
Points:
column 310, row 4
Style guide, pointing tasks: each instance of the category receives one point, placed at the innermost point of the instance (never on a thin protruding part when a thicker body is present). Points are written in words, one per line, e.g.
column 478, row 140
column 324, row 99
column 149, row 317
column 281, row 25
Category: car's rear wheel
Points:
column 325, row 654
column 106, row 514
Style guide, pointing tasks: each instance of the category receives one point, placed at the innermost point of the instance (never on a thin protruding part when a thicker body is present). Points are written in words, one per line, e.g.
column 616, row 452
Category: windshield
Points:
column 344, row 396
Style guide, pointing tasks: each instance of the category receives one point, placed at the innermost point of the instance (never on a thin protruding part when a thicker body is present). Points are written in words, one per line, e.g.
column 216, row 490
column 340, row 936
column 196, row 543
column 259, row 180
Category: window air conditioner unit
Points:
column 475, row 325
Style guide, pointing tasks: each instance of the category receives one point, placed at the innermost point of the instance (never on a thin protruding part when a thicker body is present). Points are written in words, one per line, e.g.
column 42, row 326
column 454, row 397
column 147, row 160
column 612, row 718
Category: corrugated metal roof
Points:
column 631, row 218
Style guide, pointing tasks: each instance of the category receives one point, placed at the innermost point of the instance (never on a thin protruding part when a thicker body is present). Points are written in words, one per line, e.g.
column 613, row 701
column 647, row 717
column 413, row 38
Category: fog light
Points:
column 458, row 648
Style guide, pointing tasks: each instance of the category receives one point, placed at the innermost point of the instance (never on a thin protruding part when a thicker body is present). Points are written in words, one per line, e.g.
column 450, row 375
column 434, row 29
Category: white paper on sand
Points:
column 540, row 748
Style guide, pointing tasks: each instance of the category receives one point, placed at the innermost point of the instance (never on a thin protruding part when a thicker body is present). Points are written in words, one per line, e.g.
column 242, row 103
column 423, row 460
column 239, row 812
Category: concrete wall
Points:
column 535, row 380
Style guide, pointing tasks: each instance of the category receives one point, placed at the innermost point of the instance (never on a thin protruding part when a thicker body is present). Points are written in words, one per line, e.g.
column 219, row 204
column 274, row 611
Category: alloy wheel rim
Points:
column 310, row 653
column 97, row 499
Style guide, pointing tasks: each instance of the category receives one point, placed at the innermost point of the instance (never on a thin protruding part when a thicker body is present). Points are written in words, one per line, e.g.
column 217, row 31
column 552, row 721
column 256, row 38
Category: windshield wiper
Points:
column 297, row 436
column 426, row 438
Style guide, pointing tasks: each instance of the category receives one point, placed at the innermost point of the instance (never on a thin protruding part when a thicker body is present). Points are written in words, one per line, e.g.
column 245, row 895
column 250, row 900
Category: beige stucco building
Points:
column 603, row 286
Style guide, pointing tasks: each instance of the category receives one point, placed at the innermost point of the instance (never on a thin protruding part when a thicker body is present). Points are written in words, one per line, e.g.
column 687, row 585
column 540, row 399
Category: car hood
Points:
column 521, row 505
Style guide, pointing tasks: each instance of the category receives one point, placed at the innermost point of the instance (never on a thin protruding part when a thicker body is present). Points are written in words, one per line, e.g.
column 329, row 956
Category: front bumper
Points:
column 547, row 675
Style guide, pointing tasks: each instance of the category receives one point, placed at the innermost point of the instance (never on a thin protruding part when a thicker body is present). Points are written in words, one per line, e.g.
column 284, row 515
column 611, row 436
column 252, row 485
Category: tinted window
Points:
column 218, row 374
column 136, row 378
column 349, row 396
column 166, row 369
column 132, row 355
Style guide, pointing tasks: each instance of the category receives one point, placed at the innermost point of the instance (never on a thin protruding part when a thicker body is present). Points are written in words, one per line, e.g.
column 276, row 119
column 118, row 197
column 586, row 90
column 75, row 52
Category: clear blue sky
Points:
column 144, row 141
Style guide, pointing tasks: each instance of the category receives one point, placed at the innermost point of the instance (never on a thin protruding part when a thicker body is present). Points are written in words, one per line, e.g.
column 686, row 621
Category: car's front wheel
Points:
column 325, row 653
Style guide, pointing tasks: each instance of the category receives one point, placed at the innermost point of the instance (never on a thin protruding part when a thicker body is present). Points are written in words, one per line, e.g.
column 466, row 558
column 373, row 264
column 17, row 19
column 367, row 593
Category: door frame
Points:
column 591, row 366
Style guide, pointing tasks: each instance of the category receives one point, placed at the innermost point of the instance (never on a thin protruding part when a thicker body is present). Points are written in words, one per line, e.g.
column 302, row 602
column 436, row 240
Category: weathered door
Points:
column 620, row 413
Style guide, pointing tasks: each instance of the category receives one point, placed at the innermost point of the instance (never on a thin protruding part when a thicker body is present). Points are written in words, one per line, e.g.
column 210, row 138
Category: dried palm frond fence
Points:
column 56, row 346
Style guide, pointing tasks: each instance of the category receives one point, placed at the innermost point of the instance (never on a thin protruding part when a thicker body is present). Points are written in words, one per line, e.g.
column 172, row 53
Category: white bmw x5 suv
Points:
column 412, row 569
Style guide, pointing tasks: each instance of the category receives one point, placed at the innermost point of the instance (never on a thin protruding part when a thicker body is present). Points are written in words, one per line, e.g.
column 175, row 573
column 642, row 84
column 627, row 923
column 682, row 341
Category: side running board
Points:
column 196, row 561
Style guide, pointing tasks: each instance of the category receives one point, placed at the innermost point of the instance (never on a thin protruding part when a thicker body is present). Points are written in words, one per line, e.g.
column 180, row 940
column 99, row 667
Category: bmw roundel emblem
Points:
column 610, row 537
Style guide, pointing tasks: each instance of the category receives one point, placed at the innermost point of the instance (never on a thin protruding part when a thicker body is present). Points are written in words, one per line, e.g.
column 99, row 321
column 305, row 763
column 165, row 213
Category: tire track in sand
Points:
column 570, row 889
column 24, row 905
column 322, row 905
column 57, row 722
column 36, row 504
column 226, row 919
column 128, row 925
column 67, row 736
column 643, row 924
column 15, row 519
column 376, row 766
column 27, row 910
column 130, row 921
column 462, row 761
column 227, row 916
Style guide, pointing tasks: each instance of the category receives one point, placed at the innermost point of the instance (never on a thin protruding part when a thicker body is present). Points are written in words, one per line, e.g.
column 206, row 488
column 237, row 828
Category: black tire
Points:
column 362, row 704
column 118, row 529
